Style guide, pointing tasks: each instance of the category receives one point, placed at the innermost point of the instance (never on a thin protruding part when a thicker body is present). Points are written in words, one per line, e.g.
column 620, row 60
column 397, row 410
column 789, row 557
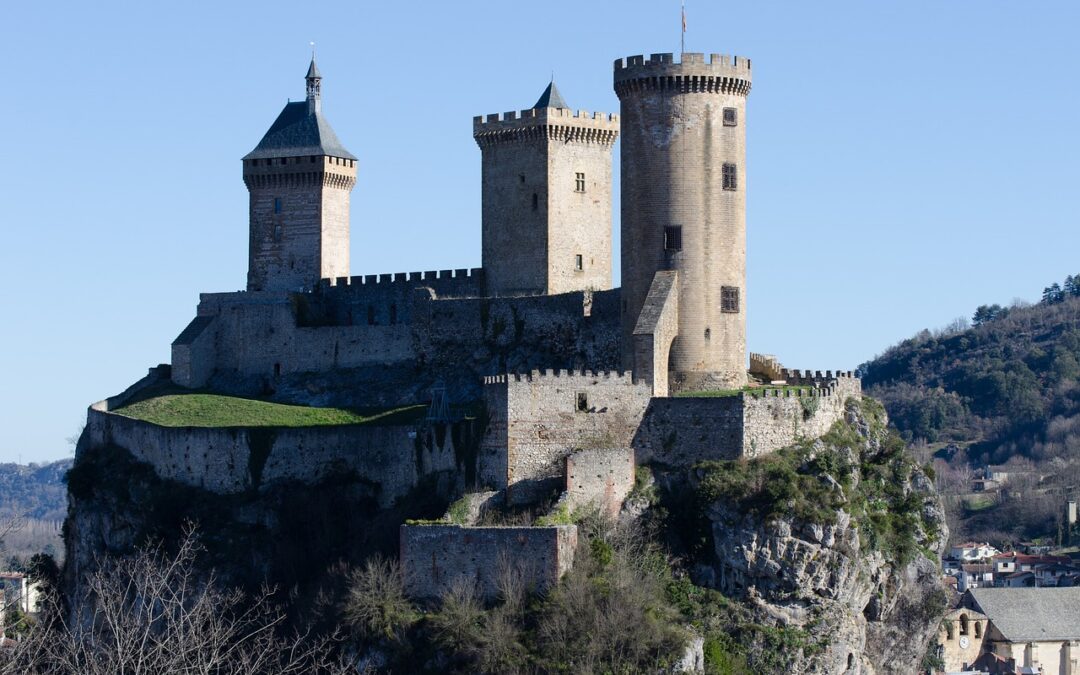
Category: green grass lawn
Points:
column 215, row 410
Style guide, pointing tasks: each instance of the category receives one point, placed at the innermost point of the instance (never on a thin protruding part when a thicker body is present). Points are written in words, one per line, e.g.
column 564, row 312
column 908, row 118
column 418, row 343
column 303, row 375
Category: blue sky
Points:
column 907, row 161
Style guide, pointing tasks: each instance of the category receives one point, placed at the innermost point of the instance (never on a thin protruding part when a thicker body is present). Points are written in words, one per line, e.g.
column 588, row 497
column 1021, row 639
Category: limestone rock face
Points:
column 865, row 612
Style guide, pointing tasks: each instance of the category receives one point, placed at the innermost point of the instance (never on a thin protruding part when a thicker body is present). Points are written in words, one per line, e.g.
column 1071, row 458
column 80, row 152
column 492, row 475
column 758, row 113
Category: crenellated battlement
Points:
column 816, row 377
column 559, row 124
column 475, row 275
column 720, row 74
column 584, row 376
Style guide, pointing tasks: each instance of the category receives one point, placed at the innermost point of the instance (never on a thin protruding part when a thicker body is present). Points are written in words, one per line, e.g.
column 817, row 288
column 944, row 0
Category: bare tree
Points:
column 153, row 613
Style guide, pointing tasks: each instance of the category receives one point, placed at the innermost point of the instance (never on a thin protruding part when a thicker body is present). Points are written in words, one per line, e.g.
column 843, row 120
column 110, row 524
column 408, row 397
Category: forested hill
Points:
column 34, row 491
column 1009, row 383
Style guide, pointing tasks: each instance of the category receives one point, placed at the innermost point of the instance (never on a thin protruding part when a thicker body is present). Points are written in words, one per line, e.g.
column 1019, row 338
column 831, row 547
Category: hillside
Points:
column 35, row 495
column 1005, row 390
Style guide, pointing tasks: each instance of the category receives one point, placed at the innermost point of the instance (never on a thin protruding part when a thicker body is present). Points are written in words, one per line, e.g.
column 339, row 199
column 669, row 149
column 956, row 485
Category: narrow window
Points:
column 277, row 204
column 731, row 117
column 708, row 334
column 579, row 263
column 582, row 402
column 277, row 231
column 963, row 624
column 729, row 299
column 673, row 238
column 731, row 178
column 522, row 178
column 371, row 315
column 277, row 369
column 579, row 182
column 393, row 314
column 536, row 202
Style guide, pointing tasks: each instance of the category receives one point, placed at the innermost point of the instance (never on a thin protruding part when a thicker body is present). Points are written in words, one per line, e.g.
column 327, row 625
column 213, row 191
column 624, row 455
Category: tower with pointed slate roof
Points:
column 546, row 198
column 299, row 179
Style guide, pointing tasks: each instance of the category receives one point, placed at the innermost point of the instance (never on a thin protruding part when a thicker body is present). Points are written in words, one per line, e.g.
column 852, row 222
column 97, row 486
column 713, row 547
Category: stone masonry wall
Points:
column 602, row 477
column 397, row 321
column 232, row 460
column 547, row 416
column 435, row 557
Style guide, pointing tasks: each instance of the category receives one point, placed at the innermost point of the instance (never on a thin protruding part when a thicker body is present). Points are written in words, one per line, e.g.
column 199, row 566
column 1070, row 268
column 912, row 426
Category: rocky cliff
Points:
column 830, row 550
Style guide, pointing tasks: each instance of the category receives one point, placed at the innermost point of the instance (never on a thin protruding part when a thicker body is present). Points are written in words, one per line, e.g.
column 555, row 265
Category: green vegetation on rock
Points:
column 216, row 410
column 810, row 482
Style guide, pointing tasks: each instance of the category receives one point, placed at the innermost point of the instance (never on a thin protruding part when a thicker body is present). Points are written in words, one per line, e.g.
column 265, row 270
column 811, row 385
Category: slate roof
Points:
column 1031, row 614
column 297, row 132
column 551, row 98
column 313, row 70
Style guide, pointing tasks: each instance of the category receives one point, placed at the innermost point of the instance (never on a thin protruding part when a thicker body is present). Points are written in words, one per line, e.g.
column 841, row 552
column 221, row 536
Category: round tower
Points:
column 684, row 208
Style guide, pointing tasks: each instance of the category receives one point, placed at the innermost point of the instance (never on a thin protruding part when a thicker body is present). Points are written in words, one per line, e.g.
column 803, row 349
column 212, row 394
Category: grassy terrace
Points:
column 215, row 410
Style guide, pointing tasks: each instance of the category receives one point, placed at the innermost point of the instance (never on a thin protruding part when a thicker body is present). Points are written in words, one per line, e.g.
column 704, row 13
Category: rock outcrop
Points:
column 860, row 582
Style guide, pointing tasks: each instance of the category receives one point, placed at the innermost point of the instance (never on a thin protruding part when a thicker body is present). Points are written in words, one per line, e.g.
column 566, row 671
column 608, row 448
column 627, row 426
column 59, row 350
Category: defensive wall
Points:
column 230, row 460
column 394, row 320
column 535, row 420
column 436, row 557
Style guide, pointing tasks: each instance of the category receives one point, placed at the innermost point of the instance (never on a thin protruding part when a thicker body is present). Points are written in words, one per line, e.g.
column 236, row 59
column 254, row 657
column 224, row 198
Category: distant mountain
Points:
column 35, row 496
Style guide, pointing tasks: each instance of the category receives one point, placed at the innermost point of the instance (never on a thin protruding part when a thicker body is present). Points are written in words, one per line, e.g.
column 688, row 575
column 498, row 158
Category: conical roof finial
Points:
column 314, row 84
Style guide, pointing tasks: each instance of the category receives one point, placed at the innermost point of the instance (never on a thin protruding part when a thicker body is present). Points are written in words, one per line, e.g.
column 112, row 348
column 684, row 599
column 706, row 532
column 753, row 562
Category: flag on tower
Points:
column 684, row 17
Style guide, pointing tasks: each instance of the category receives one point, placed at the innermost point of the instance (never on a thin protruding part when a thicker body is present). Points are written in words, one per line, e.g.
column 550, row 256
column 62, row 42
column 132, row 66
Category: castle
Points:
column 579, row 381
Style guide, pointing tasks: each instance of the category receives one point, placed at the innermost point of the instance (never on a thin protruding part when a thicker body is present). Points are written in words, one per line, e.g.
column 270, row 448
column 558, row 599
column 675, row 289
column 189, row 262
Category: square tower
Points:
column 299, row 179
column 546, row 198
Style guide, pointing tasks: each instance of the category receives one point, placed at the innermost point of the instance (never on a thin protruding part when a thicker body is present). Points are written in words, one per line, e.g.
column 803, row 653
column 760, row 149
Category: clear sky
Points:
column 908, row 161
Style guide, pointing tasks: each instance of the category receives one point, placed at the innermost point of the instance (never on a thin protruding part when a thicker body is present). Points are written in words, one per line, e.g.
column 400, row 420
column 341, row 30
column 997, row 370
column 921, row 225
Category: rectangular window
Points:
column 582, row 402
column 579, row 262
column 729, row 299
column 731, row 177
column 579, row 182
column 673, row 238
column 277, row 204
column 731, row 117
column 536, row 202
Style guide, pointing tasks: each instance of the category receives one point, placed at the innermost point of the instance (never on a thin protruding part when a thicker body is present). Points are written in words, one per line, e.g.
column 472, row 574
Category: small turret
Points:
column 314, row 87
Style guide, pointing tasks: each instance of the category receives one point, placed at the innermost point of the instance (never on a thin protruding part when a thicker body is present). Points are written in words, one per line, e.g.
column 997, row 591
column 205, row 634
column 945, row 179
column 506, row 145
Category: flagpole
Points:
column 682, row 36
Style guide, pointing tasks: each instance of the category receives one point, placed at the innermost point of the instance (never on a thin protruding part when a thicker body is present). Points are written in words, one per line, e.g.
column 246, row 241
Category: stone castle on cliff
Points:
column 578, row 382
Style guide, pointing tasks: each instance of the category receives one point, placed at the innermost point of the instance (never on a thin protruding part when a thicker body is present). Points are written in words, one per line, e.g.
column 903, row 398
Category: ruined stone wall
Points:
column 435, row 557
column 601, row 477
column 392, row 459
column 549, row 415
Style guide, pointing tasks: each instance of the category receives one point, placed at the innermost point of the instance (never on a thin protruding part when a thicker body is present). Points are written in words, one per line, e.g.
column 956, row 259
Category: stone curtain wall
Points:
column 193, row 356
column 544, row 422
column 435, row 557
column 602, row 477
column 263, row 334
column 684, row 431
column 231, row 460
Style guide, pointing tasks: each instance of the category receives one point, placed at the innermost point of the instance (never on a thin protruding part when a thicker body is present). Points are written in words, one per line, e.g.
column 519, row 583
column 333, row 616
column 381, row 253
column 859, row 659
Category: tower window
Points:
column 582, row 402
column 277, row 204
column 731, row 117
column 731, row 177
column 729, row 299
column 522, row 178
column 277, row 231
column 535, row 202
column 579, row 262
column 673, row 238
column 708, row 334
column 579, row 182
